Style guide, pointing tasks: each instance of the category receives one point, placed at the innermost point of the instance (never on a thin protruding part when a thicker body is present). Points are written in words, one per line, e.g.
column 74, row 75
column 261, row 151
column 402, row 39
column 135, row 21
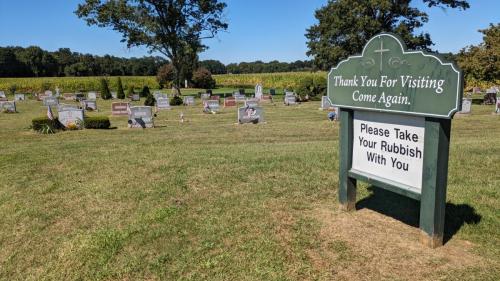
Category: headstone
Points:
column 466, row 106
column 289, row 94
column 50, row 101
column 114, row 95
column 325, row 103
column 19, row 97
column 69, row 96
column 71, row 117
column 135, row 97
column 90, row 105
column 266, row 98
column 58, row 94
column 229, row 101
column 163, row 104
column 211, row 106
column 2, row 94
column 140, row 117
column 62, row 107
column 158, row 94
column 91, row 95
column 217, row 98
column 8, row 106
column 290, row 100
column 48, row 93
column 250, row 115
column 188, row 100
column 396, row 107
column 205, row 96
column 120, row 108
column 251, row 103
column 175, row 91
column 258, row 91
column 497, row 109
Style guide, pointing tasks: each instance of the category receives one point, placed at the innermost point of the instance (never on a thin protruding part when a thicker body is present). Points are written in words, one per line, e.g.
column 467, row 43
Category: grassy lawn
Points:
column 212, row 200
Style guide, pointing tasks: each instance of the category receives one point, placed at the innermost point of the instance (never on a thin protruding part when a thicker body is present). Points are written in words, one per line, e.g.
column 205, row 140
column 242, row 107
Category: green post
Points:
column 347, row 185
column 434, row 180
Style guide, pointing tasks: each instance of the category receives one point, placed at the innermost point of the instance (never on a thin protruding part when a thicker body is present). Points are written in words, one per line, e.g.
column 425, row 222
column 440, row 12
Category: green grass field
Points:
column 212, row 200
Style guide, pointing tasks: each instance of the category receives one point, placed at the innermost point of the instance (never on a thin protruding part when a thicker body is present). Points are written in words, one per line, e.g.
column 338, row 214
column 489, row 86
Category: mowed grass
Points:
column 212, row 200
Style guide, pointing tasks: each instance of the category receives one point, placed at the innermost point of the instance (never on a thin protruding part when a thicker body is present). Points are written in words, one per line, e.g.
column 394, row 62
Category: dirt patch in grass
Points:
column 366, row 245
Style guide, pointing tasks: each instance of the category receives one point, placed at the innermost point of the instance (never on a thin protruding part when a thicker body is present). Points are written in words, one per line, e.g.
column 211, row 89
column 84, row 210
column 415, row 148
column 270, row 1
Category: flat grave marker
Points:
column 71, row 116
column 252, row 115
column 395, row 113
column 120, row 108
column 140, row 117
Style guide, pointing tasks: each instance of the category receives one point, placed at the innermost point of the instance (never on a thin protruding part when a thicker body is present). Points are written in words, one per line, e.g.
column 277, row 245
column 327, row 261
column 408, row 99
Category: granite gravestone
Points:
column 395, row 113
column 135, row 97
column 188, row 100
column 290, row 100
column 258, row 91
column 325, row 103
column 2, row 95
column 211, row 106
column 140, row 117
column 8, row 106
column 120, row 108
column 69, row 96
column 19, row 97
column 205, row 96
column 90, row 105
column 229, row 101
column 50, row 101
column 163, row 104
column 71, row 117
column 466, row 106
column 114, row 95
column 62, row 107
column 91, row 96
column 250, row 114
column 251, row 103
column 48, row 93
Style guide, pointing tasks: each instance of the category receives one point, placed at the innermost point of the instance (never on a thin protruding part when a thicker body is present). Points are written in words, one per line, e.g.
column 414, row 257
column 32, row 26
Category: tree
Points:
column 174, row 28
column 214, row 66
column 482, row 62
column 202, row 78
column 120, row 93
column 105, row 94
column 346, row 25
column 165, row 75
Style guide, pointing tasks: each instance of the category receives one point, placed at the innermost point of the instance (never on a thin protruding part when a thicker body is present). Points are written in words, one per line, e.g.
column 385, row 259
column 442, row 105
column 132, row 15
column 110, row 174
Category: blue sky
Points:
column 258, row 29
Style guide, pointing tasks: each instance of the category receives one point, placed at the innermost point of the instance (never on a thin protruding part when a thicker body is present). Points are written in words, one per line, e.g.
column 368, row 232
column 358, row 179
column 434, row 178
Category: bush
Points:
column 311, row 88
column 40, row 124
column 176, row 101
column 202, row 78
column 120, row 93
column 105, row 94
column 12, row 89
column 165, row 76
column 97, row 122
column 145, row 92
column 150, row 100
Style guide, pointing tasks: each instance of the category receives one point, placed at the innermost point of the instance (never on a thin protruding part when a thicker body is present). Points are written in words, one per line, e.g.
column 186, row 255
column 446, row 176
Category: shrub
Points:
column 202, row 78
column 311, row 88
column 105, row 94
column 150, row 100
column 165, row 75
column 120, row 93
column 145, row 92
column 176, row 100
column 41, row 124
column 12, row 89
column 97, row 122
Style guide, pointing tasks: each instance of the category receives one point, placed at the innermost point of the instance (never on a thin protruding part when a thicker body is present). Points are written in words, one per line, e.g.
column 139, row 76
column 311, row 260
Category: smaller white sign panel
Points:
column 389, row 146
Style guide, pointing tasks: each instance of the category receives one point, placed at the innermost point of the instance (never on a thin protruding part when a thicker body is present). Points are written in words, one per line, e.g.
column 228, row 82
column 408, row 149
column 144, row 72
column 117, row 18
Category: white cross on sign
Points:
column 381, row 51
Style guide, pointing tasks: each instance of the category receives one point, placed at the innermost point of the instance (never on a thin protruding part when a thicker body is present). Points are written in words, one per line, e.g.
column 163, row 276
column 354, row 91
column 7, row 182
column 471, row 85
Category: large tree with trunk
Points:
column 174, row 28
column 346, row 25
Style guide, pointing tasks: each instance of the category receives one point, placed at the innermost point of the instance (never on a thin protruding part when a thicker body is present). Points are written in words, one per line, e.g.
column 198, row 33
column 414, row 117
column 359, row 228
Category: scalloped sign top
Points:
column 388, row 78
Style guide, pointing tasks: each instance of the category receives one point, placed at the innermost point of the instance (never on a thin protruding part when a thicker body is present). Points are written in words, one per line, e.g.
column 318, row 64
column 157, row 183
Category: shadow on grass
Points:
column 407, row 210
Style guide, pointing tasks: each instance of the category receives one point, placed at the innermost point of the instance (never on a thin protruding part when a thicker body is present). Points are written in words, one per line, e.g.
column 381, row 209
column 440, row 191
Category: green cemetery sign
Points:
column 395, row 112
column 387, row 77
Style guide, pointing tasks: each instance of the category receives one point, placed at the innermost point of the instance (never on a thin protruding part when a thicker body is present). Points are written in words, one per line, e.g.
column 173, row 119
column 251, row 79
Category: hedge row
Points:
column 95, row 122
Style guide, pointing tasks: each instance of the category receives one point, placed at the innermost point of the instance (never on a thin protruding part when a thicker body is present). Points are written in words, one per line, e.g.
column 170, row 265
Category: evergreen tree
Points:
column 145, row 91
column 105, row 94
column 120, row 93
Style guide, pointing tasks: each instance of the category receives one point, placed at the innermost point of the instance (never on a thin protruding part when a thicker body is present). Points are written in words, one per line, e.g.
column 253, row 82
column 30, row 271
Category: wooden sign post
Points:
column 395, row 118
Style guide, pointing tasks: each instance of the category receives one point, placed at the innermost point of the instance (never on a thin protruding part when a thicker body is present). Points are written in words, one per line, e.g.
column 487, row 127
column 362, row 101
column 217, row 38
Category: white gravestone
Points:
column 57, row 92
column 71, row 116
column 466, row 106
column 50, row 101
column 62, row 107
column 19, row 97
column 251, row 103
column 91, row 95
column 136, row 97
column 389, row 147
column 290, row 100
column 211, row 106
column 325, row 103
column 188, row 100
column 250, row 115
column 163, row 104
column 114, row 95
column 48, row 93
column 8, row 106
column 2, row 95
column 89, row 105
column 205, row 96
column 140, row 117
column 258, row 91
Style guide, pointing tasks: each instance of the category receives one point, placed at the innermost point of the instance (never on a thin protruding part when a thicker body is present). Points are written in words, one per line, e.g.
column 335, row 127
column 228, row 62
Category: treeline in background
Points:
column 36, row 62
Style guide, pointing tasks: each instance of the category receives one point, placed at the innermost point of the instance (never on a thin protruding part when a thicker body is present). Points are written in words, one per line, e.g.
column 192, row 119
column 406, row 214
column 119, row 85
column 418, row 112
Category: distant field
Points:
column 212, row 200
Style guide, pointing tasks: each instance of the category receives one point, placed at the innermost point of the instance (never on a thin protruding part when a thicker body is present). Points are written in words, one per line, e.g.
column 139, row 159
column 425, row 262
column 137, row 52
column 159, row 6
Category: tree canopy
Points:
column 346, row 25
column 174, row 28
